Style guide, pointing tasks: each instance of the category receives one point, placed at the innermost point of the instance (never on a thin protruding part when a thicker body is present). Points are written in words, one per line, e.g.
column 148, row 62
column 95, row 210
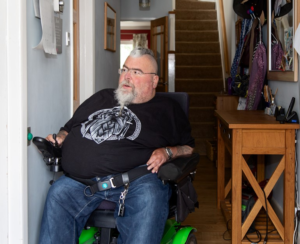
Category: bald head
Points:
column 147, row 53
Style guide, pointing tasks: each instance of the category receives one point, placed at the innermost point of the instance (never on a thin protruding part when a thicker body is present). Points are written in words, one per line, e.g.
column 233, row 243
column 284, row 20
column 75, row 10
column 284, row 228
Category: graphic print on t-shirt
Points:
column 109, row 124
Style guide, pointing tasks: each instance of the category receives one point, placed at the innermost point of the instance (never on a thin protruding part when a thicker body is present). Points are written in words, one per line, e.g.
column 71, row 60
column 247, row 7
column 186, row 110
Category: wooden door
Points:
column 76, row 83
column 159, row 46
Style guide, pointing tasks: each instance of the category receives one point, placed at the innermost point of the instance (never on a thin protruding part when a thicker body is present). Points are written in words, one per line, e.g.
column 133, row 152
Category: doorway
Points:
column 151, row 34
column 128, row 30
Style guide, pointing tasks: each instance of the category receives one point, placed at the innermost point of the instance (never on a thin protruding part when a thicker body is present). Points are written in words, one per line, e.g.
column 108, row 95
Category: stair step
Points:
column 197, row 114
column 196, row 25
column 200, row 146
column 199, row 36
column 198, row 72
column 196, row 14
column 197, row 47
column 201, row 100
column 194, row 5
column 201, row 85
column 198, row 65
column 184, row 59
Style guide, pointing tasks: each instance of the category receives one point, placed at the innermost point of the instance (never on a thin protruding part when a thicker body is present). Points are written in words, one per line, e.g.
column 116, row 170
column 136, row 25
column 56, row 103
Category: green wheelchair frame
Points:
column 174, row 233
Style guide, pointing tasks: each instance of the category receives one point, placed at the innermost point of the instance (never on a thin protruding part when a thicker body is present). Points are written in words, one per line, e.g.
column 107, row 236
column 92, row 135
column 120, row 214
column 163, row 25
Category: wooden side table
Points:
column 254, row 133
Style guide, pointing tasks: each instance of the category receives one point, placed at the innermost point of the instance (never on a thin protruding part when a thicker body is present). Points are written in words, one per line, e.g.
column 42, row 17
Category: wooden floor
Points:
column 208, row 219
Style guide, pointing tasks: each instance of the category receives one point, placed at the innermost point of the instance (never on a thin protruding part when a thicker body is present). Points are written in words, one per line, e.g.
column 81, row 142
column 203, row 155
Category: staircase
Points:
column 198, row 65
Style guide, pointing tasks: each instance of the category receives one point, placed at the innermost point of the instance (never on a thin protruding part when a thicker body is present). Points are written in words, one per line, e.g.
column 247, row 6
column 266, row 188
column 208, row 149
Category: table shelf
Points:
column 259, row 223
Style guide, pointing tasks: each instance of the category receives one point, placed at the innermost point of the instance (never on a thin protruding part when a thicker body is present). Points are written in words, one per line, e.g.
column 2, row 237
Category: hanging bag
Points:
column 257, row 74
column 186, row 199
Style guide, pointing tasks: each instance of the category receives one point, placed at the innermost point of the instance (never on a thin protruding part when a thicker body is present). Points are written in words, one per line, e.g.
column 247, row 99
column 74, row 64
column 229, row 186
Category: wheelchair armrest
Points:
column 46, row 148
column 178, row 168
column 52, row 154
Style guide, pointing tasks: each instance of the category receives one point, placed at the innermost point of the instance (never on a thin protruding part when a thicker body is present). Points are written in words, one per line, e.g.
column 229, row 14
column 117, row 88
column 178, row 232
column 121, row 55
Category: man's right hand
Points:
column 60, row 137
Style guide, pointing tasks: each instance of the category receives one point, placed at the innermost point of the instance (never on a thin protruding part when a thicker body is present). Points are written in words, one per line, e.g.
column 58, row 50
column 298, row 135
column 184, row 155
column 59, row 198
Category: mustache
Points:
column 127, row 83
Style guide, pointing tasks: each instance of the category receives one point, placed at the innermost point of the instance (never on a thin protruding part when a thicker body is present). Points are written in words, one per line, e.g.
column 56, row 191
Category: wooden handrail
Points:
column 223, row 26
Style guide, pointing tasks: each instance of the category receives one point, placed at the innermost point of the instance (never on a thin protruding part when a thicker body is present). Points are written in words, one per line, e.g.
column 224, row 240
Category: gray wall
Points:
column 106, row 62
column 49, row 107
column 49, row 95
column 159, row 8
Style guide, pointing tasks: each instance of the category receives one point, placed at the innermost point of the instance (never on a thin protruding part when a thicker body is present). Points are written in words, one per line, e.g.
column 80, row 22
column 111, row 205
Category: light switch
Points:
column 67, row 38
column 58, row 6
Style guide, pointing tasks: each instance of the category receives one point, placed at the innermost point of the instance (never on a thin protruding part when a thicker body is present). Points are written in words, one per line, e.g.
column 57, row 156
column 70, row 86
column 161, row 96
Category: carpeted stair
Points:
column 198, row 65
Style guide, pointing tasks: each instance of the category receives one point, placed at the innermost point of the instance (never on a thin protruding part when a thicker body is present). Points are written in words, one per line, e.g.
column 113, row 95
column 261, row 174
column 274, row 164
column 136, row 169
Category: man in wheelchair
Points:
column 112, row 149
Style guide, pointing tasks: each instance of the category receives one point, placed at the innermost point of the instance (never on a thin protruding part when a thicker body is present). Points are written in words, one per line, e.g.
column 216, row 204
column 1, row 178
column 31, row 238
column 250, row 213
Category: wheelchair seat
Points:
column 103, row 217
column 107, row 205
column 178, row 173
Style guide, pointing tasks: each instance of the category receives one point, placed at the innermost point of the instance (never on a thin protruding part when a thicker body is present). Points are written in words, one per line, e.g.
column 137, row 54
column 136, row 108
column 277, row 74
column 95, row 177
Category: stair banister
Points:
column 223, row 40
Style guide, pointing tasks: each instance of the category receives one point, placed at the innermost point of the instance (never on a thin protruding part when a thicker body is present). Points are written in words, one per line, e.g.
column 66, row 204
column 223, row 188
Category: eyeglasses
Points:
column 133, row 72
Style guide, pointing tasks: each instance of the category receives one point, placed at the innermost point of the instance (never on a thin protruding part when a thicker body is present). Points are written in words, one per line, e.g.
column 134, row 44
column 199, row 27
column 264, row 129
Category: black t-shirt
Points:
column 102, row 142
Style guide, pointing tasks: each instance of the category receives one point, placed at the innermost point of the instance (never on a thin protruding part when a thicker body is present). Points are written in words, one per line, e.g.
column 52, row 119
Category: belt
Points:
column 113, row 181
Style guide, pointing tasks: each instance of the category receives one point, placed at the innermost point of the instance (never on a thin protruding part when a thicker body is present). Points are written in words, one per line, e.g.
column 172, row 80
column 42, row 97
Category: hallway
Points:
column 208, row 220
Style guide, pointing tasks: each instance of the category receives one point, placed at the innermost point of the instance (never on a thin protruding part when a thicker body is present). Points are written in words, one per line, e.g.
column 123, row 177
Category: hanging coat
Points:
column 257, row 77
column 246, row 26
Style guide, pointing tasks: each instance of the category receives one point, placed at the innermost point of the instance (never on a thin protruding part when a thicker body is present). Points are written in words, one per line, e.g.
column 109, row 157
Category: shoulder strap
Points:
column 251, row 49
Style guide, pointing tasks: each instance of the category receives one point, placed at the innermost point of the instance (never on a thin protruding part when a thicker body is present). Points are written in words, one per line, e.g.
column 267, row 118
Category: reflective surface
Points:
column 109, row 28
column 159, row 50
column 282, row 38
column 282, row 58
column 160, row 47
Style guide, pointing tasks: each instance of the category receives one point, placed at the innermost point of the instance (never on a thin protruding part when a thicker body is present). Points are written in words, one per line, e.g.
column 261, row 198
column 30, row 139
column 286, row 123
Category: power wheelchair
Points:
column 101, row 226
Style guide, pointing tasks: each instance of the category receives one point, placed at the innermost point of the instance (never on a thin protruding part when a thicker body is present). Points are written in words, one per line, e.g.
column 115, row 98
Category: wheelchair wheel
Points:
column 191, row 239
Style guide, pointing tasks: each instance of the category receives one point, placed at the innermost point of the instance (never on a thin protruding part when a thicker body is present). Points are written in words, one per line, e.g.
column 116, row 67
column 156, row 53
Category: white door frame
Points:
column 13, row 109
column 87, row 48
column 13, row 123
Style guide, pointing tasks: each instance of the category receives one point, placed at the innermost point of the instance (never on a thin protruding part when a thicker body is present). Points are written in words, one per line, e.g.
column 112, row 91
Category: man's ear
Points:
column 155, row 81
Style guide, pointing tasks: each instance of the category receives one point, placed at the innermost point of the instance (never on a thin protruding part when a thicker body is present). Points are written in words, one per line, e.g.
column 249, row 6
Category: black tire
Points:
column 191, row 239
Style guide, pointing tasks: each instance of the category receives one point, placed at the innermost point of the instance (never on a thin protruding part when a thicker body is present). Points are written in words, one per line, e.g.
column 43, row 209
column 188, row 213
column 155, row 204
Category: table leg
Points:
column 220, row 168
column 289, row 186
column 236, row 189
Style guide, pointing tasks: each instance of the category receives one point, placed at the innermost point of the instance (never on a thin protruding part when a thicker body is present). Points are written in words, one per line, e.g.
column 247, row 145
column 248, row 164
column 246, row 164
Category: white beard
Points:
column 125, row 97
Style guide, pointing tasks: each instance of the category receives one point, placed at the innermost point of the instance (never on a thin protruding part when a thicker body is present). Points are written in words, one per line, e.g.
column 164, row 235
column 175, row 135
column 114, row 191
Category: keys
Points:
column 122, row 201
column 121, row 210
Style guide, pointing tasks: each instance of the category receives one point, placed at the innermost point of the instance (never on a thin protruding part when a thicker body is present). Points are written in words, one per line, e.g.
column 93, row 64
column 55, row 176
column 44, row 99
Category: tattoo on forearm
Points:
column 184, row 150
column 62, row 133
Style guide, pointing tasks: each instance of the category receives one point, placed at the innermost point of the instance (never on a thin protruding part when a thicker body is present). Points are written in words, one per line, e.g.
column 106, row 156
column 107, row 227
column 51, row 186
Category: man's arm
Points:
column 160, row 156
column 60, row 137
